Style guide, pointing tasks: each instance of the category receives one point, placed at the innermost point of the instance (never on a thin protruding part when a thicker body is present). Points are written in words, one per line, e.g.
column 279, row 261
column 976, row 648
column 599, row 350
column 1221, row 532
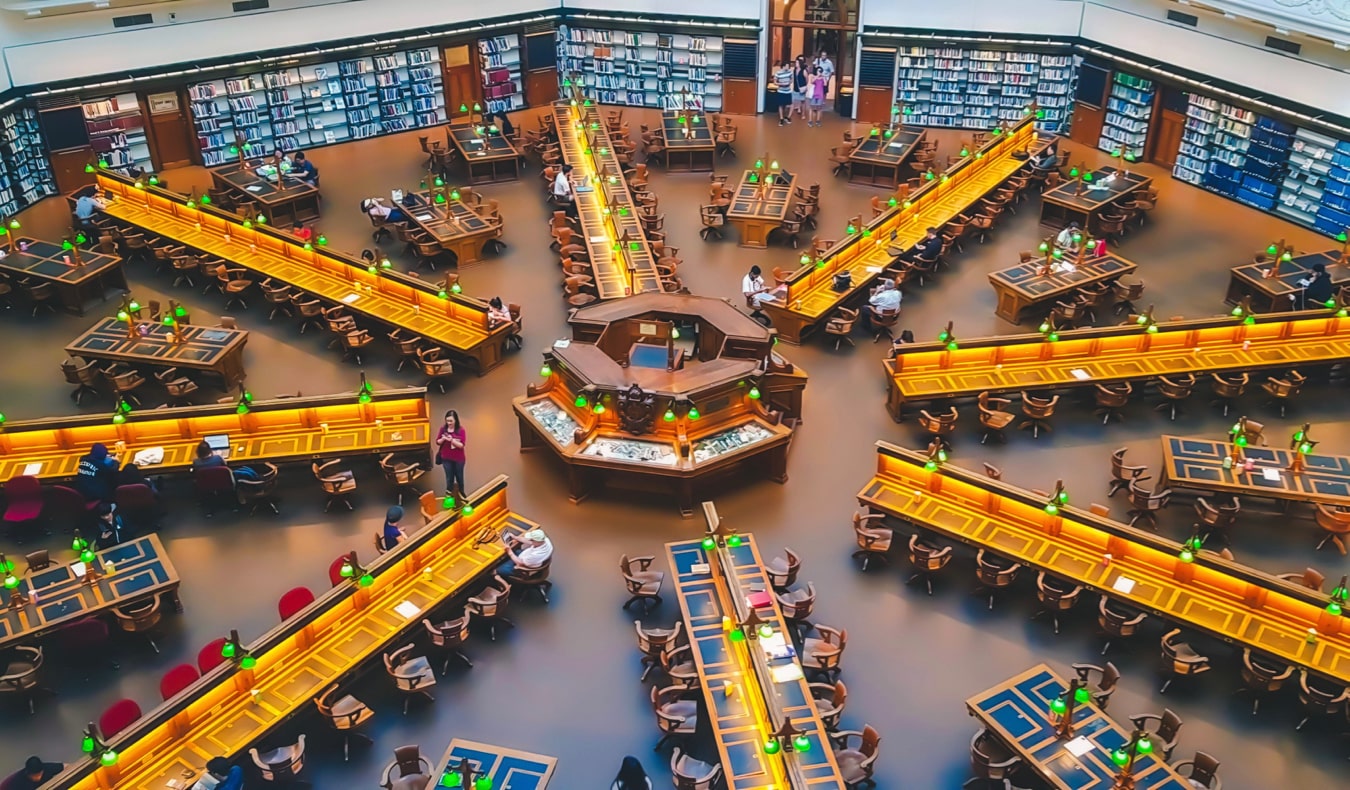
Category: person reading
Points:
column 929, row 247
column 752, row 285
column 1070, row 239
column 563, row 193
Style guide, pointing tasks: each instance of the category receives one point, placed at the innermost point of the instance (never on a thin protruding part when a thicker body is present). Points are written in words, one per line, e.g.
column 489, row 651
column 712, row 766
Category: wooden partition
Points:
column 1224, row 599
column 453, row 321
column 1083, row 357
column 281, row 430
column 329, row 641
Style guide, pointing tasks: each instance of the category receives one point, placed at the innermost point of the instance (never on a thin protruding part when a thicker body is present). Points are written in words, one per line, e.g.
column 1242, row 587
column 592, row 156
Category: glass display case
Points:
column 632, row 450
column 723, row 442
column 553, row 419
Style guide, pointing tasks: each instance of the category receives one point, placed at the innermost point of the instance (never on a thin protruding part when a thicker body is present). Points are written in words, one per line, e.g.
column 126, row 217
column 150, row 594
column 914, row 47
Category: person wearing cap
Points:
column 392, row 534
column 110, row 530
column 96, row 474
column 34, row 774
column 1319, row 289
column 530, row 550
column 220, row 775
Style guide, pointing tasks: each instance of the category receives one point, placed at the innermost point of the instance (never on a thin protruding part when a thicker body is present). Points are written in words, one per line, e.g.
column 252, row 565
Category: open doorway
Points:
column 809, row 27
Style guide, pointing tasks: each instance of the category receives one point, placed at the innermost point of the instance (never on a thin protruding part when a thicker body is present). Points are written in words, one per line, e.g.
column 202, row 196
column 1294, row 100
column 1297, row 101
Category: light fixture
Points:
column 236, row 653
column 364, row 391
column 948, row 337
column 1338, row 597
column 1057, row 499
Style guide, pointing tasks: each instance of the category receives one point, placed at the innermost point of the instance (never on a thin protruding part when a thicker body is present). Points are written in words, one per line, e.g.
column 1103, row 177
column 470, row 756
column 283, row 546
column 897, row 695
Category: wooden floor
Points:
column 564, row 682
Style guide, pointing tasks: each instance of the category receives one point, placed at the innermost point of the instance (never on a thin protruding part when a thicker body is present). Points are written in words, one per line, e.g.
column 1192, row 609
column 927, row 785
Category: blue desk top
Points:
column 510, row 769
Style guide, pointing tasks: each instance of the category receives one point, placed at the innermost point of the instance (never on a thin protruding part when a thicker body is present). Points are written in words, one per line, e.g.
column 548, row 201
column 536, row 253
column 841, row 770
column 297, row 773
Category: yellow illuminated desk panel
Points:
column 287, row 429
column 811, row 297
column 457, row 323
column 1083, row 357
column 1227, row 600
column 296, row 661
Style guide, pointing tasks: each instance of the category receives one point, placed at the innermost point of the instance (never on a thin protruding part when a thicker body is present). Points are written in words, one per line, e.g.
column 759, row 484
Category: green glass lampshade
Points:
column 891, row 202
column 1044, row 327
column 1053, row 337
column 1272, row 249
column 805, row 259
column 766, row 630
column 1087, row 176
column 965, row 151
column 206, row 200
column 734, row 541
column 261, row 220
column 482, row 783
column 1145, row 746
column 190, row 203
column 598, row 408
column 87, row 745
column 875, row 132
column 123, row 315
column 248, row 662
column 801, row 743
column 888, row 134
column 1058, row 254
column 323, row 240
column 942, row 336
column 1341, row 237
column 693, row 413
column 996, row 131
column 1052, row 508
column 109, row 757
column 11, row 581
column 1120, row 757
column 1237, row 312
column 669, row 416
column 79, row 544
column 580, row 402
column 1040, row 115
column 366, row 580
column 1241, row 441
column 979, row 155
column 88, row 168
column 895, row 111
column 227, row 650
column 154, row 180
column 1082, row 696
column 456, row 288
column 363, row 398
column 1287, row 257
column 451, row 779
column 771, row 746
column 1058, row 706
column 346, row 570
column 851, row 229
column 463, row 107
column 1063, row 498
column 754, row 393
column 1141, row 320
column 242, row 408
column 929, row 175
column 1073, row 172
column 709, row 544
column 1334, row 609
column 1153, row 329
column 467, row 509
column 1186, row 555
column 477, row 107
column 66, row 245
column 1249, row 320
column 931, row 466
column 545, row 370
column 909, row 111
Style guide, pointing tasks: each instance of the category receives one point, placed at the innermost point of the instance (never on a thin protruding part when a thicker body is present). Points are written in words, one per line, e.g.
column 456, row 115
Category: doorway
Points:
column 806, row 27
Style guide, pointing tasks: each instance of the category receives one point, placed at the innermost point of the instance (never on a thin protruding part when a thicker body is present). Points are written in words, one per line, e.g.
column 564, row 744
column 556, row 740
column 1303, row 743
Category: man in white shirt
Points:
column 562, row 190
column 752, row 285
column 826, row 67
column 1065, row 239
column 529, row 551
column 885, row 296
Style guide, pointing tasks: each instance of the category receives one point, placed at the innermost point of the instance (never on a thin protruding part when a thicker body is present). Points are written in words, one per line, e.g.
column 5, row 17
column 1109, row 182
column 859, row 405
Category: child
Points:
column 816, row 96
column 109, row 526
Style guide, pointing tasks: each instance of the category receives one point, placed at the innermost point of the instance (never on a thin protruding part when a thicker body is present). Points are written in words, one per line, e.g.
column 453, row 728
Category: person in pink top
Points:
column 450, row 441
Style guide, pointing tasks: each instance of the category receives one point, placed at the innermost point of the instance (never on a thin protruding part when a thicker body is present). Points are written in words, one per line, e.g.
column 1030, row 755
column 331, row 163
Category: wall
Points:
column 726, row 9
column 1025, row 17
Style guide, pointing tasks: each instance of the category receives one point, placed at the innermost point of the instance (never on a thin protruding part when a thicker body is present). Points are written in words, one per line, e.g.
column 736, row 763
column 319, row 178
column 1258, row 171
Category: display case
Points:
column 117, row 132
column 554, row 419
column 25, row 175
column 635, row 451
column 499, row 62
column 643, row 69
column 1128, row 110
column 728, row 441
column 976, row 88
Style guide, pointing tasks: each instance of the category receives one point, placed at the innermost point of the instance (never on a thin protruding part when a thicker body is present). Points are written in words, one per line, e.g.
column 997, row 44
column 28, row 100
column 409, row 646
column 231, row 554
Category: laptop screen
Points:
column 219, row 441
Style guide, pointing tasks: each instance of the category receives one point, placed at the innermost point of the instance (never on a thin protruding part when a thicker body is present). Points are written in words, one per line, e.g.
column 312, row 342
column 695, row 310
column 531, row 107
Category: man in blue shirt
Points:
column 96, row 475
column 221, row 776
column 86, row 206
column 304, row 169
column 392, row 532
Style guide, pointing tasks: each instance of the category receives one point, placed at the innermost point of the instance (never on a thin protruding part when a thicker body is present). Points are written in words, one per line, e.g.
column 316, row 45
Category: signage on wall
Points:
column 163, row 103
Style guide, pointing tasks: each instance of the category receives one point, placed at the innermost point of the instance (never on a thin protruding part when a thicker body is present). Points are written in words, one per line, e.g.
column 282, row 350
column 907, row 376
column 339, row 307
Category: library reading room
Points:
column 927, row 396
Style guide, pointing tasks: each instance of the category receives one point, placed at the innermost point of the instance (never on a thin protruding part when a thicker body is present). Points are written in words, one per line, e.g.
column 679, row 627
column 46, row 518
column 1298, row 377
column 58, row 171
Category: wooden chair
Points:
column 797, row 607
column 338, row 484
column 841, row 326
column 1111, row 399
column 353, row 342
column 1201, row 772
column 309, row 309
column 676, row 710
column 839, row 159
column 19, row 679
column 712, row 220
column 1174, row 391
column 1037, row 412
column 874, row 540
column 140, row 617
column 991, row 761
column 642, row 583
column 725, row 140
column 448, row 638
column 402, row 475
column 1284, row 390
column 490, row 603
column 1108, row 680
column 883, row 321
column 1228, row 388
column 822, row 654
column 407, row 346
column 790, row 231
column 1263, row 675
column 856, row 765
column 830, row 698
column 345, row 714
column 1117, row 621
column 927, row 560
column 279, row 296
column 653, row 642
column 1123, row 476
column 1216, row 522
column 1145, row 504
column 994, row 572
column 1179, row 659
column 86, row 376
column 124, row 383
column 992, row 417
column 412, row 675
column 436, row 369
column 178, row 387
column 939, row 426
column 1335, row 523
column 1055, row 596
column 1126, row 291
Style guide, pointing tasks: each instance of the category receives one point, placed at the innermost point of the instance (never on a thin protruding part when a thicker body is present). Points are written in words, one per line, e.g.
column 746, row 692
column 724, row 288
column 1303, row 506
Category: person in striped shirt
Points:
column 782, row 80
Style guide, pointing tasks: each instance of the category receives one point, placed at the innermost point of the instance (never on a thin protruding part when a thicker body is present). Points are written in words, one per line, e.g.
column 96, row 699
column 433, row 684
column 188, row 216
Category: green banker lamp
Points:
column 948, row 337
column 236, row 653
column 93, row 745
column 1336, row 604
column 1058, row 498
column 351, row 569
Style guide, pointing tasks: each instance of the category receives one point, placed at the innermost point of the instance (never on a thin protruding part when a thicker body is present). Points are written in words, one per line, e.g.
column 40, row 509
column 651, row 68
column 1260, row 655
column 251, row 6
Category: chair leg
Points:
column 1168, row 682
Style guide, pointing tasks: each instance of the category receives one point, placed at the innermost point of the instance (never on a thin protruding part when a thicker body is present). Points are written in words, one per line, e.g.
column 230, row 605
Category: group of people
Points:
column 801, row 88
column 97, row 477
column 298, row 167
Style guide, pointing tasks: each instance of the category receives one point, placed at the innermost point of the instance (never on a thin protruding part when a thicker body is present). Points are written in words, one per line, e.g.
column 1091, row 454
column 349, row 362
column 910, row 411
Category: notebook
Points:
column 759, row 600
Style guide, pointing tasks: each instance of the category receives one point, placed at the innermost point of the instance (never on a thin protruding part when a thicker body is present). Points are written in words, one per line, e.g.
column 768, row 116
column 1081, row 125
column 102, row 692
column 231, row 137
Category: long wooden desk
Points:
column 293, row 201
column 141, row 569
column 1227, row 600
column 605, row 207
column 75, row 285
column 508, row 768
column 455, row 322
column 1018, row 712
column 209, row 348
column 282, row 430
column 1065, row 203
column 688, row 148
column 454, row 225
column 1022, row 289
column 1280, row 293
column 744, row 702
column 488, row 158
column 1083, row 357
column 811, row 298
column 329, row 641
column 759, row 207
column 1194, row 462
column 876, row 161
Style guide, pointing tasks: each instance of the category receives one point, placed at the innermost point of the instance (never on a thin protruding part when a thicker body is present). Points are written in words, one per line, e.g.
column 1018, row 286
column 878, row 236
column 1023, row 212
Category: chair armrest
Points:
column 1141, row 719
column 841, row 737
column 1083, row 669
column 642, row 562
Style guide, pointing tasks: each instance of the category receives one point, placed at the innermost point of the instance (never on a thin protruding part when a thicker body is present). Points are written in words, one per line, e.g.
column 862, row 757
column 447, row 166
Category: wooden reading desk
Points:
column 75, row 284
column 328, row 642
column 876, row 161
column 281, row 430
column 209, row 348
column 1194, row 462
column 141, row 569
column 1018, row 712
column 748, row 689
column 291, row 202
column 1280, row 293
column 1222, row 598
column 1065, row 203
column 757, row 207
column 1023, row 290
column 508, row 768
column 454, row 225
column 690, row 147
column 1083, row 357
column 487, row 157
column 618, row 269
column 811, row 297
column 455, row 322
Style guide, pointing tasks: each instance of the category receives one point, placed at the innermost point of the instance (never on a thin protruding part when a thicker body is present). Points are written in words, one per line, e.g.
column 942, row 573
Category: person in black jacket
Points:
column 930, row 246
column 96, row 475
column 1319, row 289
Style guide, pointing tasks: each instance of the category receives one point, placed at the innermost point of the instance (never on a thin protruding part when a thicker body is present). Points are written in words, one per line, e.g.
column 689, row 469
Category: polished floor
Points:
column 564, row 682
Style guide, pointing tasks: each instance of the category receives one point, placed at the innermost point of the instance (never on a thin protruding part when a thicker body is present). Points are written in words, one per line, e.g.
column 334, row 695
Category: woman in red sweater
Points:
column 450, row 441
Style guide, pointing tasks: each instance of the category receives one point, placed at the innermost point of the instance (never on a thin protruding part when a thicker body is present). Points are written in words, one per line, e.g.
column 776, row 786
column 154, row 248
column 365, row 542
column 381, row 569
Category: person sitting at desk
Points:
column 304, row 169
column 752, row 285
column 376, row 208
column 392, row 534
column 885, row 296
column 1070, row 238
column 563, row 193
column 86, row 206
column 206, row 457
column 929, row 247
column 96, row 474
column 497, row 312
column 131, row 475
column 503, row 123
column 529, row 551
column 110, row 528
column 1318, row 289
column 220, row 776
column 305, row 234
column 906, row 338
column 1046, row 160
column 33, row 775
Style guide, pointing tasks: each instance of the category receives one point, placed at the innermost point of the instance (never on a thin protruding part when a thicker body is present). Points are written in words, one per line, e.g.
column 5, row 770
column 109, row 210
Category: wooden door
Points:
column 463, row 86
column 1087, row 124
column 874, row 105
column 541, row 87
column 68, row 168
column 1167, row 138
column 169, row 131
column 740, row 96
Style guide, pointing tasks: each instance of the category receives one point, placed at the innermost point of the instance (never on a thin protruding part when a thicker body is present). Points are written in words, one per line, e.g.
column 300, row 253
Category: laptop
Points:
column 219, row 444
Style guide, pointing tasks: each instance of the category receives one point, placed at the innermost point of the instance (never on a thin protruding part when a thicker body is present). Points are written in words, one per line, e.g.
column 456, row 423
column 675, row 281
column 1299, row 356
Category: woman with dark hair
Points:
column 503, row 123
column 450, row 441
column 631, row 776
column 132, row 475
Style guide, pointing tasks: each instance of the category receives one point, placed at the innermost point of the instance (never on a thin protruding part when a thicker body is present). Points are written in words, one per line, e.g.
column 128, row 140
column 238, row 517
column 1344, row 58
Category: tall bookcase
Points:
column 1128, row 110
column 424, row 86
column 976, row 88
column 117, row 131
column 499, row 61
column 1197, row 138
column 643, row 69
column 25, row 175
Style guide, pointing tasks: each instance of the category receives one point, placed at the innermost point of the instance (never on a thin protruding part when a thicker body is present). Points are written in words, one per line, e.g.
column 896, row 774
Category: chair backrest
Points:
column 38, row 560
column 294, row 600
column 84, row 634
column 209, row 657
column 177, row 679
column 213, row 479
column 24, row 488
column 409, row 759
column 119, row 715
column 1204, row 769
column 1169, row 725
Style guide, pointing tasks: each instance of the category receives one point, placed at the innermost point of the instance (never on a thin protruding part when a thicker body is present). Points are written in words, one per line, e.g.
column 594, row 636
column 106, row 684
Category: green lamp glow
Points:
column 1051, row 508
column 1145, row 746
column 851, row 229
column 248, row 662
column 891, row 202
column 709, row 543
column 109, row 757
column 1272, row 249
column 693, row 413
column 801, row 743
column 805, row 259
column 227, row 650
column 88, row 168
column 965, row 151
column 736, row 635
column 482, row 783
column 1087, row 176
column 580, row 402
column 1044, row 247
column 734, row 541
column 929, row 175
column 366, row 580
column 669, row 416
column 456, row 288
column 154, row 179
column 448, row 502
column 1058, row 706
column 1120, row 757
column 1082, row 696
column 467, row 509
column 1073, row 172
column 598, row 408
column 754, row 393
column 766, row 630
column 546, row 370
column 87, row 745
column 1341, row 237
column 463, row 107
column 261, row 220
column 771, row 746
column 1287, row 257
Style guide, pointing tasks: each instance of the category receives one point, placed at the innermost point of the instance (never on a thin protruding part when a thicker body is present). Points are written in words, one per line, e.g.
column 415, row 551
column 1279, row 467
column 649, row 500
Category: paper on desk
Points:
column 563, row 343
column 254, row 188
column 1271, row 473
column 79, row 569
column 872, row 269
column 408, row 609
column 33, row 469
column 425, row 217
column 1080, row 374
column 1123, row 585
column 700, row 568
column 786, row 673
column 597, row 239
column 349, row 298
column 1079, row 746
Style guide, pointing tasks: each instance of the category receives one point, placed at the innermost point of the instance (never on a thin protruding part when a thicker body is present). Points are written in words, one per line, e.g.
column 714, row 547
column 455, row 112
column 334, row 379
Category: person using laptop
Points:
column 220, row 775
column 206, row 457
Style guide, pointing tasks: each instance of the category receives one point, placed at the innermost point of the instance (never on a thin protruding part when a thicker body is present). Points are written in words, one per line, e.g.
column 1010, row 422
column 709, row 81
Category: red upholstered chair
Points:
column 177, row 679
column 119, row 715
column 24, row 495
column 209, row 657
column 335, row 569
column 86, row 638
column 294, row 600
column 214, row 484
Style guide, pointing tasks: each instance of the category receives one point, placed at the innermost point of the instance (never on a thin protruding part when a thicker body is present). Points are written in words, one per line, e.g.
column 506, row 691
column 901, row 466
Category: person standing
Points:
column 782, row 80
column 631, row 776
column 816, row 96
column 826, row 67
column 450, row 441
column 799, row 81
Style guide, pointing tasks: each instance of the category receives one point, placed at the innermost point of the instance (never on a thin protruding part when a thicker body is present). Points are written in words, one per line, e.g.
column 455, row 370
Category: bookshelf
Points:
column 286, row 109
column 1202, row 116
column 499, row 59
column 1263, row 172
column 356, row 81
column 117, row 131
column 643, row 69
column 1128, row 110
column 976, row 88
column 393, row 91
column 1311, row 159
column 25, row 176
column 424, row 86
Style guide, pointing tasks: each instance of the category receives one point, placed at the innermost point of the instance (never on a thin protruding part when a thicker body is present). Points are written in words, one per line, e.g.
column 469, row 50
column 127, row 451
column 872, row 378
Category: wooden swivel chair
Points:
column 993, row 418
column 19, row 680
column 797, row 607
column 856, row 764
column 86, row 376
column 338, row 484
column 1117, row 621
column 676, row 710
column 783, row 570
column 1055, row 596
column 940, row 426
column 1263, row 675
column 991, row 761
column 1284, row 390
column 1164, row 737
column 1145, row 504
column 490, row 605
column 1228, row 388
column 345, row 714
column 402, row 476
column 841, row 326
column 927, row 560
column 994, row 573
column 1320, row 698
column 1173, row 392
column 1179, row 659
column 653, row 642
column 1111, row 400
column 1310, row 578
column 178, row 387
column 1201, row 772
column 282, row 765
column 823, row 653
column 434, row 367
column 874, row 540
column 449, row 637
column 1335, row 523
column 1037, row 411
column 140, row 617
column 642, row 583
column 1123, row 476
column 1216, row 521
column 412, row 675
column 1107, row 681
column 831, row 698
